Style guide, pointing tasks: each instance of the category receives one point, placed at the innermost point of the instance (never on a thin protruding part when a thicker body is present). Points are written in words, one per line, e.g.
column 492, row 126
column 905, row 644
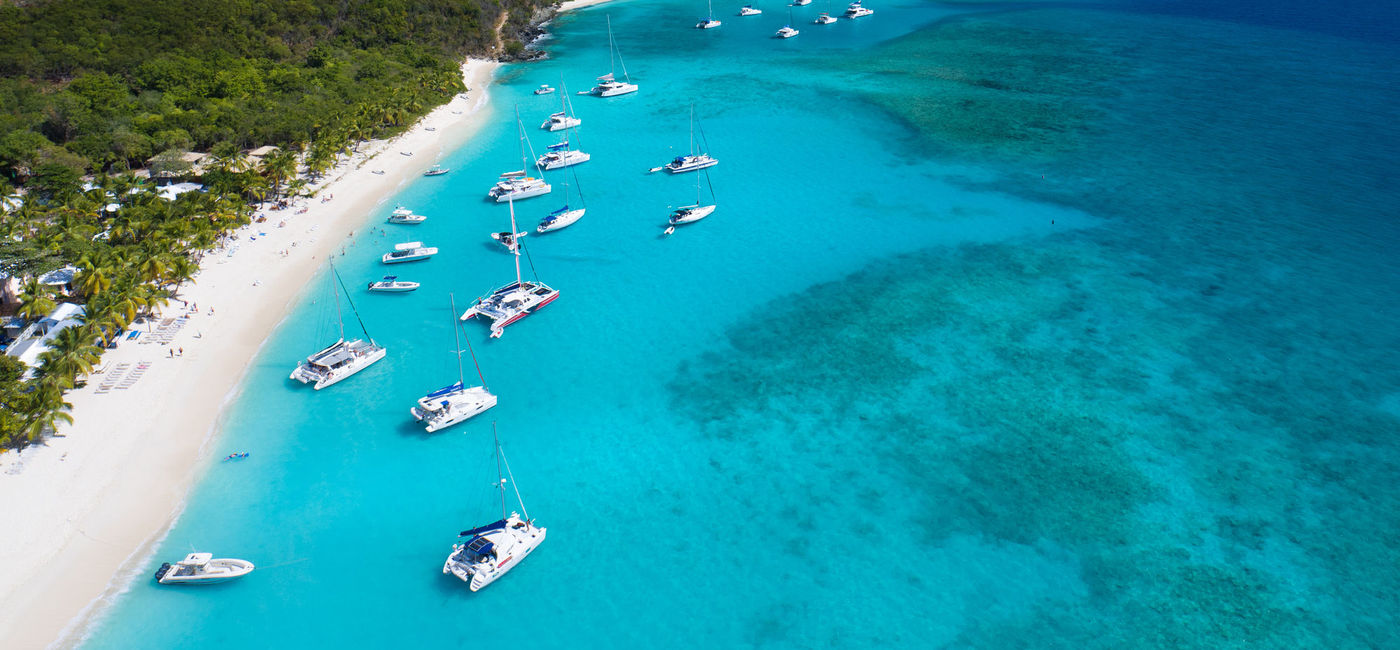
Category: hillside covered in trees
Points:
column 104, row 85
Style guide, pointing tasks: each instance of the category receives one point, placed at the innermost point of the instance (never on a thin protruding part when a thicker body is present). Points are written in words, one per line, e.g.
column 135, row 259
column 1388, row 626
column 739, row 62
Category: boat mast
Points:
column 518, row 281
column 361, row 321
column 500, row 478
column 460, row 376
column 339, row 317
column 513, row 486
column 612, row 50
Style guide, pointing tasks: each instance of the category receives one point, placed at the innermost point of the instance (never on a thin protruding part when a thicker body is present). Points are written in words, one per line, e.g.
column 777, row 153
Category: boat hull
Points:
column 548, row 162
column 562, row 221
column 515, row 544
column 613, row 90
column 214, row 571
column 397, row 288
column 307, row 374
column 691, row 214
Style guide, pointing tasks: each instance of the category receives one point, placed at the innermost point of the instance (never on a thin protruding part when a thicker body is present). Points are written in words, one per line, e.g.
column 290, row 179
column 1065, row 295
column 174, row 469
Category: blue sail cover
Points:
column 558, row 212
column 561, row 145
column 456, row 386
column 500, row 525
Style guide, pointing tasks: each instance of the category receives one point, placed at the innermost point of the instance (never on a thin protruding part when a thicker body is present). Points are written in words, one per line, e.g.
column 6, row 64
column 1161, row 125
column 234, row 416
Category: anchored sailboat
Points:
column 513, row 186
column 708, row 22
column 342, row 358
column 560, row 155
column 457, row 402
column 494, row 549
column 697, row 159
column 608, row 85
column 515, row 300
column 692, row 213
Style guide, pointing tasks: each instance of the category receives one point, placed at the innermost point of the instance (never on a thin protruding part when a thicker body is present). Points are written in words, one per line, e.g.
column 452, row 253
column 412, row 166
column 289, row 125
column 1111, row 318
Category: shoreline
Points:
column 85, row 508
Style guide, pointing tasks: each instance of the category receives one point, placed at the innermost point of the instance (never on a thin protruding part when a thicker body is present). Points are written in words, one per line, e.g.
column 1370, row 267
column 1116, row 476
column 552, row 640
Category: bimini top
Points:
column 408, row 246
column 197, row 559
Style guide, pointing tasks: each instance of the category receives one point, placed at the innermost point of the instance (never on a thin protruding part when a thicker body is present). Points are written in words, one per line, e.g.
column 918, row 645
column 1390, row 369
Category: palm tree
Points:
column 36, row 300
column 94, row 276
column 72, row 352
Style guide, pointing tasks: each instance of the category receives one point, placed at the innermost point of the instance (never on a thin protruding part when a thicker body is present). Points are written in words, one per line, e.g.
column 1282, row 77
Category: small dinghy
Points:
column 508, row 239
column 436, row 170
column 392, row 284
column 201, row 569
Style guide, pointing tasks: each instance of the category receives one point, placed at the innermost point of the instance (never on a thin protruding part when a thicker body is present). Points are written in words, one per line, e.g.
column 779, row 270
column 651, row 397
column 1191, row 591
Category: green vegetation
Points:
column 102, row 87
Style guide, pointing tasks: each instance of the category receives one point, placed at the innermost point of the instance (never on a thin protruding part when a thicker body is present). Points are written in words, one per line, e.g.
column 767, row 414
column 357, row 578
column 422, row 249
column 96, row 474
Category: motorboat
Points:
column 749, row 10
column 682, row 164
column 559, row 219
column 343, row 358
column 456, row 402
column 801, row 3
column 509, row 239
column 560, row 121
column 405, row 216
column 824, row 19
column 690, row 214
column 489, row 552
column 708, row 22
column 608, row 85
column 544, row 89
column 409, row 252
column 786, row 32
column 560, row 155
column 856, row 10
column 202, row 569
column 436, row 170
column 392, row 284
column 514, row 301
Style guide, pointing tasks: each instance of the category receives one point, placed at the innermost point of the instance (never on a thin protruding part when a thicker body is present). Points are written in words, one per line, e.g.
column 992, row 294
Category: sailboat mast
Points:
column 612, row 49
column 339, row 317
column 517, row 242
column 456, row 340
column 513, row 486
column 500, row 478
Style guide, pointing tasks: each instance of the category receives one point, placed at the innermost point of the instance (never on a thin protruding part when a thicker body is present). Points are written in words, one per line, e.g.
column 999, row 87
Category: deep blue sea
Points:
column 1017, row 326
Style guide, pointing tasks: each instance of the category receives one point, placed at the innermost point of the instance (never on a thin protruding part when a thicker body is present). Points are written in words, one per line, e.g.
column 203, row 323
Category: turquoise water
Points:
column 1030, row 328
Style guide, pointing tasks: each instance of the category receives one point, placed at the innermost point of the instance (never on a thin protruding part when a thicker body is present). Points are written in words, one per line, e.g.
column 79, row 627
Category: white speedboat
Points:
column 514, row 186
column 202, row 569
column 544, row 89
column 560, row 121
column 392, row 284
column 457, row 402
column 559, row 219
column 786, row 32
column 856, row 10
column 608, row 85
column 514, row 301
column 343, row 358
column 749, row 10
column 509, row 239
column 405, row 216
column 824, row 19
column 560, row 156
column 436, row 170
column 708, row 22
column 490, row 551
column 412, row 251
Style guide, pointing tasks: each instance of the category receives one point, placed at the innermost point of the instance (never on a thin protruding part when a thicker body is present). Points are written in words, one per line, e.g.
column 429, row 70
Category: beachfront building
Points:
column 34, row 340
column 60, row 279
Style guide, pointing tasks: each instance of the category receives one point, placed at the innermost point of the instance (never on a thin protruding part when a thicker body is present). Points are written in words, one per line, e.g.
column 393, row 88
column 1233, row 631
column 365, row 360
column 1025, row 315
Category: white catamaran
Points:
column 708, row 22
column 696, row 160
column 494, row 549
column 513, row 301
column 514, row 186
column 608, row 85
column 560, row 155
column 342, row 358
column 457, row 402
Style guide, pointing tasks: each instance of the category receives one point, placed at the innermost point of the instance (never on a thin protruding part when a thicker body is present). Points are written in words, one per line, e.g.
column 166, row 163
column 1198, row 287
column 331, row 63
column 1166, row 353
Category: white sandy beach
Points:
column 82, row 512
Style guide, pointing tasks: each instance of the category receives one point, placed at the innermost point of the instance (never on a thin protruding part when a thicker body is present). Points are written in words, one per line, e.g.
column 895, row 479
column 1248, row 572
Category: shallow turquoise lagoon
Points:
column 1014, row 328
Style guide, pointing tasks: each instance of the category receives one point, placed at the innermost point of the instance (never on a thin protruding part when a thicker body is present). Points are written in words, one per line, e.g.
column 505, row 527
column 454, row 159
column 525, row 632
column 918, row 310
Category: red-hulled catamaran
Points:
column 515, row 300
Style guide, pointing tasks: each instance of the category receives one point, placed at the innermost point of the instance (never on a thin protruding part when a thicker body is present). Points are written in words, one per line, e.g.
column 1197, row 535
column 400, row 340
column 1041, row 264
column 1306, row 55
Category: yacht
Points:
column 342, row 358
column 560, row 156
column 544, row 89
column 456, row 402
column 559, row 219
column 514, row 301
column 405, row 216
column 392, row 284
column 801, row 3
column 824, row 19
column 749, row 10
column 409, row 252
column 786, row 32
column 514, row 186
column 608, row 85
column 560, row 121
column 856, row 10
column 490, row 551
column 695, row 160
column 708, row 22
column 436, row 170
column 202, row 569
column 692, row 213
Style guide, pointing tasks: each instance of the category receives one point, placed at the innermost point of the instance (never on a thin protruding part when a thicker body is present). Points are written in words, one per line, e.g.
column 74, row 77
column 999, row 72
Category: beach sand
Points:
column 83, row 511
